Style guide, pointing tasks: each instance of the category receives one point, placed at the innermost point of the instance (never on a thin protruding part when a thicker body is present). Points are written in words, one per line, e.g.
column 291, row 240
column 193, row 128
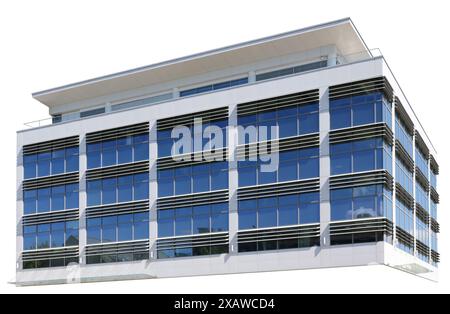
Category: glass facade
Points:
column 193, row 179
column 117, row 190
column 54, row 235
column 118, row 151
column 360, row 156
column 279, row 211
column 285, row 209
column 51, row 199
column 293, row 165
column 404, row 176
column 118, row 228
column 360, row 110
column 291, row 121
column 50, row 163
column 213, row 87
column 361, row 202
column 193, row 220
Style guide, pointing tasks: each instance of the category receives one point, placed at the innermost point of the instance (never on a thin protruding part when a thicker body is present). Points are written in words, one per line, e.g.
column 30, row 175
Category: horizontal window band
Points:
column 435, row 227
column 434, row 165
column 403, row 155
column 378, row 84
column 39, row 183
column 434, row 195
column 361, row 226
column 279, row 233
column 435, row 256
column 136, row 129
column 279, row 189
column 362, row 132
column 422, row 214
column 404, row 196
column 118, row 248
column 420, row 144
column 192, row 159
column 403, row 116
column 422, row 180
column 50, row 253
column 117, row 209
column 51, row 145
column 50, row 217
column 119, row 170
column 404, row 237
column 279, row 102
column 422, row 248
column 193, row 200
column 188, row 120
column 362, row 179
column 212, row 239
column 279, row 145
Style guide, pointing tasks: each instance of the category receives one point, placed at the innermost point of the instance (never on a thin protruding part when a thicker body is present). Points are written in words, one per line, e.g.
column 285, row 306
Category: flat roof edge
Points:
column 199, row 55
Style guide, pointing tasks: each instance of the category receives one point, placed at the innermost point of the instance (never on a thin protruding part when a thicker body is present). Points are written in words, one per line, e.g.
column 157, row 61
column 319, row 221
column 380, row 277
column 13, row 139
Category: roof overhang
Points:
column 342, row 33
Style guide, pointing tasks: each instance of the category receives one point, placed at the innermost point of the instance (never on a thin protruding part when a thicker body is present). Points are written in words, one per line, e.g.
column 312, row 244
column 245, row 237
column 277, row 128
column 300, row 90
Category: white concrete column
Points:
column 153, row 189
column 233, row 179
column 19, row 204
column 325, row 167
column 82, row 195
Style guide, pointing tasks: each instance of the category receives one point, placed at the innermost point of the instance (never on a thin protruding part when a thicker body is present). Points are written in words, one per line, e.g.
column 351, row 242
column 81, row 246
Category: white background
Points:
column 44, row 44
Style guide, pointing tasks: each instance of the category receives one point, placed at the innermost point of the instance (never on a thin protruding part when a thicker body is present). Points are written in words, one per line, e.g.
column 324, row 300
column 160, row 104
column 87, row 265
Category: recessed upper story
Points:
column 259, row 60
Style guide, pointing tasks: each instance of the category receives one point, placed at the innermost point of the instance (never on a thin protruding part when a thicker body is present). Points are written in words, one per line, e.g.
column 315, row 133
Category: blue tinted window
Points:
column 212, row 87
column 360, row 110
column 55, row 235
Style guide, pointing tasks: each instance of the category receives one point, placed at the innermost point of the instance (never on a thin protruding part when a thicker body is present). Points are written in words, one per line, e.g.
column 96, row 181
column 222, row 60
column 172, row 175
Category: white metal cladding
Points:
column 50, row 217
column 129, row 130
column 197, row 199
column 119, row 170
column 279, row 189
column 185, row 120
column 279, row 145
column 279, row 233
column 362, row 179
column 44, row 182
column 51, row 145
column 362, row 132
column 117, row 209
column 201, row 240
column 255, row 107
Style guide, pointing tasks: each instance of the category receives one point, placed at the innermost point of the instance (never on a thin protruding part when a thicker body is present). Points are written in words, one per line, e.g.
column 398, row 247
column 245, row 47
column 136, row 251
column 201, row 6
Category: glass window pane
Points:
column 219, row 222
column 29, row 242
column 363, row 114
column 141, row 230
column 288, row 215
column 183, row 226
column 341, row 164
column 309, row 213
column 267, row 217
column 165, row 228
column 182, row 185
column 58, row 239
column 109, row 233
column 309, row 168
column 165, row 187
column 109, row 187
column 141, row 152
column 340, row 118
column 309, row 123
column 288, row 171
column 29, row 170
column 58, row 198
column 125, row 189
column 364, row 207
column 94, row 192
column 247, row 219
column 44, row 167
column 201, row 224
column 94, row 235
column 341, row 209
column 124, row 154
column 43, row 200
column 247, row 176
column 109, row 157
column 201, row 182
column 288, row 127
column 94, row 159
column 363, row 160
column 29, row 201
column 58, row 166
column 43, row 240
column 125, row 231
column 141, row 187
column 72, row 196
column 265, row 177
column 219, row 180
